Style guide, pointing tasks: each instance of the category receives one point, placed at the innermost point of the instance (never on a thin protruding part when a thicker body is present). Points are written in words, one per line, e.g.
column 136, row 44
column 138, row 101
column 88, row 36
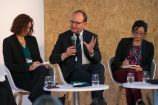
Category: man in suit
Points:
column 77, row 53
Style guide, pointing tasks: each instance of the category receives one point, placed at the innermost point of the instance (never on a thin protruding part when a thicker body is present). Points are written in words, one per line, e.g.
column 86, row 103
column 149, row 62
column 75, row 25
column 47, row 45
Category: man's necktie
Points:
column 79, row 52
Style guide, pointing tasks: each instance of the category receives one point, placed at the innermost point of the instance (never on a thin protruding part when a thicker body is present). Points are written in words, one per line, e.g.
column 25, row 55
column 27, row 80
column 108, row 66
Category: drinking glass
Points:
column 130, row 78
column 95, row 79
column 145, row 76
column 50, row 81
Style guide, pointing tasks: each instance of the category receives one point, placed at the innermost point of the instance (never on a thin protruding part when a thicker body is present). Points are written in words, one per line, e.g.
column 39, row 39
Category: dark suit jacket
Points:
column 63, row 42
column 123, row 49
column 13, row 55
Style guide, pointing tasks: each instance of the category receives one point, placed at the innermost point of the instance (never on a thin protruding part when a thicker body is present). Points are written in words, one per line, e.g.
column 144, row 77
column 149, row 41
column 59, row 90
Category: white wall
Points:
column 9, row 9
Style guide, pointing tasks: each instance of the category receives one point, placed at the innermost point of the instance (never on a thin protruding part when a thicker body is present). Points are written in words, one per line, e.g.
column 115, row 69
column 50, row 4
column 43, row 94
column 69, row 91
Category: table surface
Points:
column 66, row 88
column 140, row 85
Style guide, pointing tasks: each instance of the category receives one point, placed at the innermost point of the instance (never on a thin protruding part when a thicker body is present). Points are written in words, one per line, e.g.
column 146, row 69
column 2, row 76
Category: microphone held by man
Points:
column 73, row 40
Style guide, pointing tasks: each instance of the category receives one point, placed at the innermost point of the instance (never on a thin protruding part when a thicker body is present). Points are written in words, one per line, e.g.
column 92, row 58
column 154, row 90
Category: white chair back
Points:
column 111, row 73
column 16, row 91
column 10, row 79
column 58, row 73
column 153, row 69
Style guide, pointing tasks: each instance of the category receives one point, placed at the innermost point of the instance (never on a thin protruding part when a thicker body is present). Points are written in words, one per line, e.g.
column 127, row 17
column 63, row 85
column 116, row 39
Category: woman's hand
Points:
column 34, row 65
column 136, row 67
column 125, row 63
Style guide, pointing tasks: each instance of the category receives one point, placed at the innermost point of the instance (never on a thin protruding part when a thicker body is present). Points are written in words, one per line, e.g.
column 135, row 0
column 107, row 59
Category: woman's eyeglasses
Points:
column 139, row 33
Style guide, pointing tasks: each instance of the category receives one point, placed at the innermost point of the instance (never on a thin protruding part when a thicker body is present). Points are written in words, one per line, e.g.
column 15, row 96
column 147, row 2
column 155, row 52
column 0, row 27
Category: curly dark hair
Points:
column 139, row 23
column 20, row 24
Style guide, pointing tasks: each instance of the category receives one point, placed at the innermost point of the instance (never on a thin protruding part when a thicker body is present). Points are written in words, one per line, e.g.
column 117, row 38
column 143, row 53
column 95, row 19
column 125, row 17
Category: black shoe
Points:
column 141, row 102
column 98, row 101
column 62, row 99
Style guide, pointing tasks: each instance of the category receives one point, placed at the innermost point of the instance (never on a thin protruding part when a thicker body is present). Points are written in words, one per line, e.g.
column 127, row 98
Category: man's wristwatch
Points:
column 92, row 53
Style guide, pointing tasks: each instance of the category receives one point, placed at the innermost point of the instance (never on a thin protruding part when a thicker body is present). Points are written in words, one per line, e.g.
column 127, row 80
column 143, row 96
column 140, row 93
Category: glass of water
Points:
column 145, row 76
column 95, row 79
column 130, row 78
column 50, row 81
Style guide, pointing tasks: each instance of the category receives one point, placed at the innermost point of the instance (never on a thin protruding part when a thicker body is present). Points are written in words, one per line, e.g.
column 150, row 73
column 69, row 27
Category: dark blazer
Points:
column 13, row 55
column 63, row 42
column 123, row 49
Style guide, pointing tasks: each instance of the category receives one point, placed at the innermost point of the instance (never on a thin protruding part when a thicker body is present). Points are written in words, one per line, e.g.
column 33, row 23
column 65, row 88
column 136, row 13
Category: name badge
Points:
column 28, row 60
column 2, row 78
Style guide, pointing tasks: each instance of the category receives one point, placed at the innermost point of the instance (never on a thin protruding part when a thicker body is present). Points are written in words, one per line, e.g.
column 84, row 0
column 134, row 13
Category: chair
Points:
column 16, row 91
column 118, row 96
column 152, row 73
column 115, row 81
column 57, row 71
column 60, row 79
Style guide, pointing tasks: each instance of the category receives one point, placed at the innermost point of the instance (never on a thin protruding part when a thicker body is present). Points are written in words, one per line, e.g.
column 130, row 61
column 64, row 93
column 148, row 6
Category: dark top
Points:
column 135, row 56
column 26, row 52
column 13, row 54
column 63, row 42
column 123, row 49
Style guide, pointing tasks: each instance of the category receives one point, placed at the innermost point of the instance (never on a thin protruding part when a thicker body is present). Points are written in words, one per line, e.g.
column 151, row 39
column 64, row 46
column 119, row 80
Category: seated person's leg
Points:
column 37, row 83
column 79, row 75
column 137, row 95
column 97, row 69
column 97, row 96
column 121, row 76
column 6, row 95
column 3, row 96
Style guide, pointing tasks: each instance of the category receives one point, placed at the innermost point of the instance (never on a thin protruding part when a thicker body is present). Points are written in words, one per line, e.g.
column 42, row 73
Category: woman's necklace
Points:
column 137, row 44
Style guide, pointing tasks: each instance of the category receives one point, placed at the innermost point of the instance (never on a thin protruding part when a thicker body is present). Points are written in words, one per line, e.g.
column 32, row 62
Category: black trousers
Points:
column 6, row 95
column 85, row 75
column 33, row 82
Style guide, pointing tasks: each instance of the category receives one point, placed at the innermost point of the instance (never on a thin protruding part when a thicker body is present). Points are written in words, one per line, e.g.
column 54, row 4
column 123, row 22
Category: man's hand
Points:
column 91, row 45
column 70, row 51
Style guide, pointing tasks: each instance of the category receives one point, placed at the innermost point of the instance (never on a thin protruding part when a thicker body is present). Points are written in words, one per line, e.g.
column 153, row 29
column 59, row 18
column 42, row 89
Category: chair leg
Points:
column 20, row 99
column 68, row 98
column 15, row 95
column 148, row 99
column 118, row 95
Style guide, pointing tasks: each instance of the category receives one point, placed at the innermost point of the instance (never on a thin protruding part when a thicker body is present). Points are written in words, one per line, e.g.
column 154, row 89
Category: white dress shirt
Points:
column 84, row 58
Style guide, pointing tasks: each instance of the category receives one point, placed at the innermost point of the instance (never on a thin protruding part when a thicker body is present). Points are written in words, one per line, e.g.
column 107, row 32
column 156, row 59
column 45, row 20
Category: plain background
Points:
column 9, row 9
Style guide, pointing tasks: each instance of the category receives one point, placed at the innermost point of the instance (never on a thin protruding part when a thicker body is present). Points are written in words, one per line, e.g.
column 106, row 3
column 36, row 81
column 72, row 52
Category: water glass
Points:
column 95, row 79
column 145, row 76
column 130, row 78
column 50, row 81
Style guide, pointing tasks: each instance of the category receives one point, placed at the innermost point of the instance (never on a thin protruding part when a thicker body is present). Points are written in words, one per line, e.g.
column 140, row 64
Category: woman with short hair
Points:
column 135, row 51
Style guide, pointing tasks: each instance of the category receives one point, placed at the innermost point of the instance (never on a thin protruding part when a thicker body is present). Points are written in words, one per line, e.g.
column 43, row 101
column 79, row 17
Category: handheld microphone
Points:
column 73, row 39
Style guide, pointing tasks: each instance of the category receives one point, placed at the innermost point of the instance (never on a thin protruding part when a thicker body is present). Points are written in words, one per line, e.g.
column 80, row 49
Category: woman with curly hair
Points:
column 22, row 57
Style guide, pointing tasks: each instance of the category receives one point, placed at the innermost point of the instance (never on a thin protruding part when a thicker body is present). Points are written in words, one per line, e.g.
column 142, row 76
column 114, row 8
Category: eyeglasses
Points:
column 76, row 23
column 137, row 33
